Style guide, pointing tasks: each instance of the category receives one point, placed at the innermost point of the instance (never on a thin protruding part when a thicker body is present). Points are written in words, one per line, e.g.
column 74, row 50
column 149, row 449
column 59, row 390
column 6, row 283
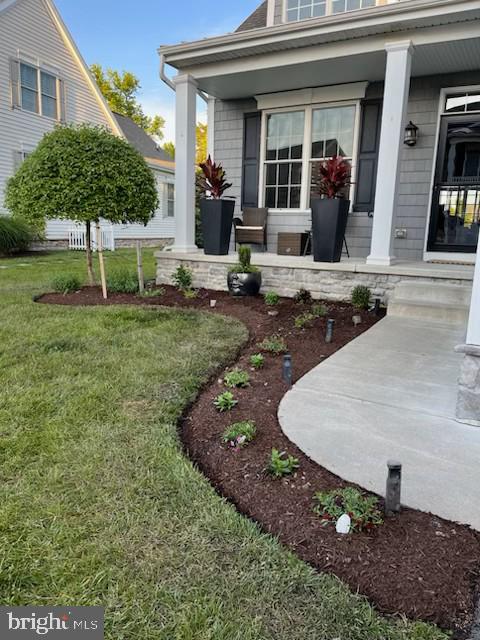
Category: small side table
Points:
column 292, row 244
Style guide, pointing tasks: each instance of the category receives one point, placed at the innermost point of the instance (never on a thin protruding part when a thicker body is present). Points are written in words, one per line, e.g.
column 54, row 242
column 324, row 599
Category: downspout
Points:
column 170, row 83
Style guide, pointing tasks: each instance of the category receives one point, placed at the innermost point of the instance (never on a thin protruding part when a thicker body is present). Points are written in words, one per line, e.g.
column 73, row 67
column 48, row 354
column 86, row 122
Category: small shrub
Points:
column 182, row 278
column 239, row 433
column 363, row 510
column 304, row 320
column 319, row 310
column 303, row 296
column 271, row 299
column 190, row 294
column 122, row 282
column 257, row 361
column 153, row 293
column 66, row 283
column 15, row 235
column 237, row 378
column 244, row 258
column 281, row 464
column 274, row 344
column 225, row 401
column 361, row 296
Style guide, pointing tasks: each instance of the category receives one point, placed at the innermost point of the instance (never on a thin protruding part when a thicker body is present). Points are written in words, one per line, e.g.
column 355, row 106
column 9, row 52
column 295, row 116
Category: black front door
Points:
column 455, row 218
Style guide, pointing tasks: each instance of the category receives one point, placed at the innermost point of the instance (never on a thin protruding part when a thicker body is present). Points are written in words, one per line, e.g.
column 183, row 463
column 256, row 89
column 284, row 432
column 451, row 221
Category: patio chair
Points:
column 252, row 229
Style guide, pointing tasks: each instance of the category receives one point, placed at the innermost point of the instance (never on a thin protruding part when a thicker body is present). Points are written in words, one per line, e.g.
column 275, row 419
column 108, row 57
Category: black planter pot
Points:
column 329, row 222
column 217, row 217
column 244, row 284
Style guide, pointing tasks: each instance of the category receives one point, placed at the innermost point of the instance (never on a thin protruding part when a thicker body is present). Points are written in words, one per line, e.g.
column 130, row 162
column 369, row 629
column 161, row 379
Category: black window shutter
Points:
column 368, row 156
column 251, row 159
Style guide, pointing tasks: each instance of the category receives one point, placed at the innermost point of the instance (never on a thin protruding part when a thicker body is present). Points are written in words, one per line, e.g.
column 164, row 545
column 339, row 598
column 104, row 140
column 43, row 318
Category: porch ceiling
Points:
column 228, row 82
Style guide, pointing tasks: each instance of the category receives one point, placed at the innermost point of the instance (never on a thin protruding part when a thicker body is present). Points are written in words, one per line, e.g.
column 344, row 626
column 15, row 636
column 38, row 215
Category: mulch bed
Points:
column 415, row 564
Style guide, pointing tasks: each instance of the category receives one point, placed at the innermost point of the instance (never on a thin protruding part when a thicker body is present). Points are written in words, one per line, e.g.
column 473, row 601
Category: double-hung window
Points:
column 170, row 200
column 304, row 9
column 283, row 161
column 38, row 91
column 295, row 143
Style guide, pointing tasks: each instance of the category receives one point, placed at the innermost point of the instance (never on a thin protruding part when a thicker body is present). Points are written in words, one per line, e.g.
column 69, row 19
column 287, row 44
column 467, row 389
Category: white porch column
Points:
column 395, row 101
column 185, row 124
column 468, row 400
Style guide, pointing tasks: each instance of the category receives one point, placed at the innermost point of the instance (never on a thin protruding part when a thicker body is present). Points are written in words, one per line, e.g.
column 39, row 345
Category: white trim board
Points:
column 304, row 97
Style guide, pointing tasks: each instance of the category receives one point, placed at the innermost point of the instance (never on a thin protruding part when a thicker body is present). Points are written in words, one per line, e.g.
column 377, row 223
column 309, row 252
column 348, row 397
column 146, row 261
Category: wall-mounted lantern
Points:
column 411, row 134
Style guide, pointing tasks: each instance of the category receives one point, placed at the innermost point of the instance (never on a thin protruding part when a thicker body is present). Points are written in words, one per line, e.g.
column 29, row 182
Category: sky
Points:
column 125, row 35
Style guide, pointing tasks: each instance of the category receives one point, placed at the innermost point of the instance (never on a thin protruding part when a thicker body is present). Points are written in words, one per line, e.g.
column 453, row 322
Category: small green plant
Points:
column 274, row 344
column 239, row 433
column 363, row 510
column 304, row 320
column 15, row 235
column 361, row 296
column 244, row 258
column 122, row 282
column 281, row 464
column 237, row 378
column 303, row 296
column 271, row 299
column 153, row 293
column 257, row 360
column 67, row 283
column 225, row 401
column 319, row 310
column 182, row 278
column 190, row 294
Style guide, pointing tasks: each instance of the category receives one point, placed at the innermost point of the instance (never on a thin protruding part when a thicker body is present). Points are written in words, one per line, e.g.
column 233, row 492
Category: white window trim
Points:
column 306, row 155
column 447, row 255
column 26, row 60
column 328, row 11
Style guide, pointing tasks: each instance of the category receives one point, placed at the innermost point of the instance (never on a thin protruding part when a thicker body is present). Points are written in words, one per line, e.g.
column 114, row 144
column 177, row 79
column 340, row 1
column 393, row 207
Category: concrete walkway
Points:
column 391, row 393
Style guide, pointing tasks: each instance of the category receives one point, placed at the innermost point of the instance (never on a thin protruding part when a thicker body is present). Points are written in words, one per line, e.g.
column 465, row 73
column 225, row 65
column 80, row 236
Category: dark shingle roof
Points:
column 257, row 19
column 142, row 142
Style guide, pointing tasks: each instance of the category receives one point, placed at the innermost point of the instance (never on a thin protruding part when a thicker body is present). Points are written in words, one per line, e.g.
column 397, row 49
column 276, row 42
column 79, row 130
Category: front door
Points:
column 455, row 218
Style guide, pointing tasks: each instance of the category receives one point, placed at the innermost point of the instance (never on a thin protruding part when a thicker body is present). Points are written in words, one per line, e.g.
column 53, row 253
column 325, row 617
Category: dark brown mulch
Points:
column 415, row 564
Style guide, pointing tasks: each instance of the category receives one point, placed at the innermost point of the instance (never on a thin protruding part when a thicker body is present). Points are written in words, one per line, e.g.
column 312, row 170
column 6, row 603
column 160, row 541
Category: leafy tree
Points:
column 83, row 173
column 201, row 150
column 120, row 91
column 169, row 147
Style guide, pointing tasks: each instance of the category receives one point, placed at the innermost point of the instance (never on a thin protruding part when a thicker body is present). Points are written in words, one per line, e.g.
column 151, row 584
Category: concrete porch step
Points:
column 432, row 302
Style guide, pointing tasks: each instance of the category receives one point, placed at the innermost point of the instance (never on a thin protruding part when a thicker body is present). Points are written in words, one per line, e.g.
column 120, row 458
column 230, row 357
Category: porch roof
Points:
column 319, row 52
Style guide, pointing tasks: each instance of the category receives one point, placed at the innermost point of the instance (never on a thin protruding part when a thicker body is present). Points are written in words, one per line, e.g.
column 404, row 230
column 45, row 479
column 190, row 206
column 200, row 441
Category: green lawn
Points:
column 98, row 504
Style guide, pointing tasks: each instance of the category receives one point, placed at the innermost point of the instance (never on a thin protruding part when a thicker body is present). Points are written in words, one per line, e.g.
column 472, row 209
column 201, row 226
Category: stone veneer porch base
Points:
column 287, row 274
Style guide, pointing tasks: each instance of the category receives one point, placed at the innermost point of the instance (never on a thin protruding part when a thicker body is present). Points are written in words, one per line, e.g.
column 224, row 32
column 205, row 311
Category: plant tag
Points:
column 344, row 524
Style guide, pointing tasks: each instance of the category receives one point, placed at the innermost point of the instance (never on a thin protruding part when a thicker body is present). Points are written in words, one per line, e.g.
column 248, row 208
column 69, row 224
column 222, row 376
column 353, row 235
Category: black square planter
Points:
column 217, row 218
column 329, row 222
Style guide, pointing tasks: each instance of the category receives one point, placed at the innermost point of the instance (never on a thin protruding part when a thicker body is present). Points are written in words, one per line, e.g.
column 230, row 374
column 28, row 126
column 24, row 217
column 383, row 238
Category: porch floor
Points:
column 348, row 265
column 391, row 394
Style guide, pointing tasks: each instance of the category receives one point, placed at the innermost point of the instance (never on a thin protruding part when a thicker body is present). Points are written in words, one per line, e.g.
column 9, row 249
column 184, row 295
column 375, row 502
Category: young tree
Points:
column 120, row 91
column 83, row 173
column 169, row 147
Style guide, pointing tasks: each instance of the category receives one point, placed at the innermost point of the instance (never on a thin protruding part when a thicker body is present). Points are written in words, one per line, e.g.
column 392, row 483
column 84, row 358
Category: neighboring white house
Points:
column 44, row 81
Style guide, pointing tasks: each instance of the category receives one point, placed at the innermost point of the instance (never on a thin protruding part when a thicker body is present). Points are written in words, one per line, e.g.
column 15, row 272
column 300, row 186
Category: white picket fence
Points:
column 77, row 240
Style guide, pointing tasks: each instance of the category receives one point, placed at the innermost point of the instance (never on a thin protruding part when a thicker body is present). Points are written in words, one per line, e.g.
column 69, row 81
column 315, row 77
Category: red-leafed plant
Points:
column 213, row 180
column 333, row 177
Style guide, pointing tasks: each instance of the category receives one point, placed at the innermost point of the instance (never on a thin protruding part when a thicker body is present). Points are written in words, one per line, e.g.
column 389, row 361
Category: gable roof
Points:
column 255, row 20
column 142, row 142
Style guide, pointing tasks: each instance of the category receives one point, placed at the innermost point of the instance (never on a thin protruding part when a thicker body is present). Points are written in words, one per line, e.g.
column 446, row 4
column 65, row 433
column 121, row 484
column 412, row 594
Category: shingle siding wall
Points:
column 415, row 169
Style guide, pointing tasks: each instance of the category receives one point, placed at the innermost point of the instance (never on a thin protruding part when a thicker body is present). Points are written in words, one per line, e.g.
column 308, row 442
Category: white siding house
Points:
column 45, row 81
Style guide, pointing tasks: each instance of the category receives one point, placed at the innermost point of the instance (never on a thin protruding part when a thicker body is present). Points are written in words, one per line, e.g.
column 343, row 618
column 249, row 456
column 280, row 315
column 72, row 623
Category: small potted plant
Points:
column 243, row 278
column 216, row 212
column 330, row 209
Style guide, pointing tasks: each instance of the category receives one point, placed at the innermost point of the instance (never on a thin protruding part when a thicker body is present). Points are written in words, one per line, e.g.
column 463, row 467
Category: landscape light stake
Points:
column 394, row 486
column 141, row 281
column 377, row 306
column 329, row 334
column 287, row 369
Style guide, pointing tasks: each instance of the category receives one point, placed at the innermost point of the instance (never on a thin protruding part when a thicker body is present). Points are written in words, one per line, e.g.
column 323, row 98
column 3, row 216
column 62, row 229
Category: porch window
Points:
column 463, row 103
column 283, row 162
column 332, row 135
column 303, row 9
column 295, row 142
